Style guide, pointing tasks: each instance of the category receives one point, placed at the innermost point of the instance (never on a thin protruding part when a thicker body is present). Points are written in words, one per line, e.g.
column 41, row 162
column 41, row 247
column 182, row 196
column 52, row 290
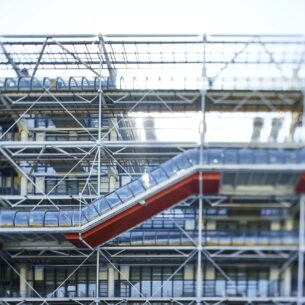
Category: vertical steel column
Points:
column 100, row 97
column 97, row 274
column 200, row 207
column 301, row 250
column 199, row 280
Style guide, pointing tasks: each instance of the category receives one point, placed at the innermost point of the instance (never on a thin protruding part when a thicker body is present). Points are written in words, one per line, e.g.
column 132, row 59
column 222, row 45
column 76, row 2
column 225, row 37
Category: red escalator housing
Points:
column 138, row 213
column 300, row 186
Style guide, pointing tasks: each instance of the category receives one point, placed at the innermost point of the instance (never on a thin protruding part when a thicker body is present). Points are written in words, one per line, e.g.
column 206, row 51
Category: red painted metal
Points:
column 153, row 205
column 300, row 186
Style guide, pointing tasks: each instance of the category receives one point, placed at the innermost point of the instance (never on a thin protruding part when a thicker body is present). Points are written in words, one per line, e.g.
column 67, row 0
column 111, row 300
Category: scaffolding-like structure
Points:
column 82, row 117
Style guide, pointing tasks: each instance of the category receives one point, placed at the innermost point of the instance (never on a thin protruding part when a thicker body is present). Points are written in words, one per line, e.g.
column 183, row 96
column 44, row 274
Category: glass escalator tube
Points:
column 76, row 218
column 170, row 167
column 89, row 212
column 216, row 156
column 102, row 205
column 65, row 218
column 22, row 219
column 113, row 200
column 36, row 218
column 124, row 193
column 51, row 219
column 136, row 187
column 159, row 175
column 192, row 156
column 7, row 219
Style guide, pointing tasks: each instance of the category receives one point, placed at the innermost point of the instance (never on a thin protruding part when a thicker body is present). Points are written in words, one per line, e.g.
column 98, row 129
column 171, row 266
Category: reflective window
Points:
column 147, row 180
column 215, row 156
column 159, row 175
column 76, row 218
column 51, row 219
column 261, row 157
column 113, row 199
column 276, row 156
column 124, row 193
column 182, row 162
column 7, row 218
column 136, row 187
column 192, row 156
column 22, row 219
column 170, row 168
column 246, row 156
column 89, row 212
column 102, row 205
column 36, row 218
column 230, row 156
column 301, row 156
column 65, row 218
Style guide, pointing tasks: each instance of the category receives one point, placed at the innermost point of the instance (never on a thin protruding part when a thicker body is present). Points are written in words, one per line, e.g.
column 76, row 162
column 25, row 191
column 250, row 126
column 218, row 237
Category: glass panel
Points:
column 89, row 212
column 301, row 156
column 136, row 187
column 36, row 218
column 113, row 199
column 261, row 157
column 124, row 193
column 170, row 168
column 182, row 162
column 230, row 156
column 147, row 180
column 102, row 205
column 22, row 219
column 159, row 175
column 65, row 218
column 276, row 156
column 246, row 156
column 192, row 156
column 7, row 218
column 51, row 219
column 215, row 156
column 291, row 157
column 76, row 218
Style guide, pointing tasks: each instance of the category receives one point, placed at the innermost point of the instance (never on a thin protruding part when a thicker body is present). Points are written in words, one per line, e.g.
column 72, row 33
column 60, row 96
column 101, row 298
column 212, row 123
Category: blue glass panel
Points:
column 301, row 156
column 291, row 157
column 276, row 156
column 36, row 218
column 22, row 219
column 65, row 218
column 124, row 193
column 170, row 167
column 192, row 156
column 147, row 180
column 204, row 156
column 246, row 156
column 230, row 156
column 102, row 205
column 76, row 218
column 113, row 199
column 89, row 212
column 215, row 156
column 51, row 219
column 7, row 218
column 182, row 162
column 261, row 157
column 159, row 175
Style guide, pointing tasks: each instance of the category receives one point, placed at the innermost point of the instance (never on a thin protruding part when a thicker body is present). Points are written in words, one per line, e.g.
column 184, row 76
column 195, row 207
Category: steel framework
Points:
column 82, row 115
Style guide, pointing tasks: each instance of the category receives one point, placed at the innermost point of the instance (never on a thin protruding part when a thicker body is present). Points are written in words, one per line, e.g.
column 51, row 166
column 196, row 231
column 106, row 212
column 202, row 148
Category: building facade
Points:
column 152, row 169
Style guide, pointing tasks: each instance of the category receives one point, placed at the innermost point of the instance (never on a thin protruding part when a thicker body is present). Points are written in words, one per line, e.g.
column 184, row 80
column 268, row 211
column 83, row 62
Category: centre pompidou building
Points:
column 152, row 169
